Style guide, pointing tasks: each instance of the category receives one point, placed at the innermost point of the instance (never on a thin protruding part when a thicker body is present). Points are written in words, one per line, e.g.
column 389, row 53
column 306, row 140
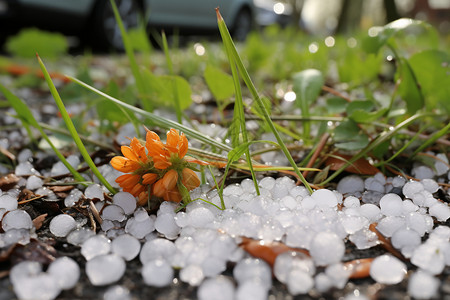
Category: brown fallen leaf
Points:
column 61, row 188
column 8, row 181
column 39, row 220
column 269, row 251
column 360, row 166
column 360, row 267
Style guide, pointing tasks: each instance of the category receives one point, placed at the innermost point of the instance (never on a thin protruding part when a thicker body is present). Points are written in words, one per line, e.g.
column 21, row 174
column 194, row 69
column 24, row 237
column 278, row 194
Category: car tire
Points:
column 105, row 31
column 242, row 25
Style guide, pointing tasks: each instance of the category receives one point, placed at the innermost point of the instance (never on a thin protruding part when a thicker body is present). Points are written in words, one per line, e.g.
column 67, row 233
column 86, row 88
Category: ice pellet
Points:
column 429, row 257
column 192, row 274
column 387, row 269
column 324, row 198
column 113, row 212
column 252, row 289
column 24, row 269
column 218, row 288
column 200, row 217
column 8, row 202
column 95, row 246
column 105, row 269
column 34, row 182
column 165, row 224
column 94, row 191
column 117, row 292
column 350, row 185
column 62, row 225
column 40, row 286
column 157, row 272
column 412, row 187
column 440, row 211
column 422, row 285
column 79, row 235
column 16, row 219
column 73, row 197
column 140, row 225
column 65, row 271
column 126, row 246
column 326, row 248
column 126, row 201
column 391, row 205
column 253, row 269
column 157, row 248
column 288, row 261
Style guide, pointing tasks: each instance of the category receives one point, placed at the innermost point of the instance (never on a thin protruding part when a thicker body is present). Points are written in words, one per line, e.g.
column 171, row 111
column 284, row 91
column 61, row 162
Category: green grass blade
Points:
column 159, row 121
column 239, row 118
column 246, row 77
column 384, row 136
column 27, row 118
column 72, row 128
column 174, row 83
column 140, row 84
column 433, row 138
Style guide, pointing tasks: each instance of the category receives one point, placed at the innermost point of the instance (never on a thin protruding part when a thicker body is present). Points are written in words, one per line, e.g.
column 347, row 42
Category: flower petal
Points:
column 173, row 139
column 137, row 189
column 128, row 181
column 124, row 164
column 183, row 146
column 173, row 195
column 158, row 189
column 170, row 179
column 129, row 153
column 149, row 178
column 139, row 150
column 190, row 179
column 142, row 199
column 161, row 162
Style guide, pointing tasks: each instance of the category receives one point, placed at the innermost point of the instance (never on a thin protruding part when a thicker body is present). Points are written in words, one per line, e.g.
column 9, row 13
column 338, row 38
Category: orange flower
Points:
column 156, row 169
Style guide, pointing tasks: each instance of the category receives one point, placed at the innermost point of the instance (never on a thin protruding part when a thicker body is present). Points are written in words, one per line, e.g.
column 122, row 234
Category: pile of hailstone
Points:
column 202, row 240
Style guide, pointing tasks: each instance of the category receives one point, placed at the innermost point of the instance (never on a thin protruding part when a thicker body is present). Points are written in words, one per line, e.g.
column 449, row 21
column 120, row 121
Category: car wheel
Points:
column 242, row 25
column 106, row 32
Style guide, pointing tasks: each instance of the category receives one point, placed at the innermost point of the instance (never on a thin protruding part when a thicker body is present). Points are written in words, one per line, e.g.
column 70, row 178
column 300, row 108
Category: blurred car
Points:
column 93, row 20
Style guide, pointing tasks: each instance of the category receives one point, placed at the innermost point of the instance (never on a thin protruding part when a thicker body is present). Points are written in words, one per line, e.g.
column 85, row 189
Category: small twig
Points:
column 385, row 243
column 29, row 200
column 95, row 212
column 320, row 146
column 336, row 93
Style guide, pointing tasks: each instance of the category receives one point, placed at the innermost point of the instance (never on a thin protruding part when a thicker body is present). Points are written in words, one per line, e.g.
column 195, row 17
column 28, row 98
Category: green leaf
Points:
column 379, row 36
column 432, row 69
column 336, row 105
column 360, row 111
column 162, row 90
column 219, row 83
column 349, row 137
column 31, row 41
column 363, row 116
column 408, row 87
column 307, row 86
column 359, row 105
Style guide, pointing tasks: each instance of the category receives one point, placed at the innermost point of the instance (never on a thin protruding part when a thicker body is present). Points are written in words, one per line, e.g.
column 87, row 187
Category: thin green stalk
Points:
column 72, row 128
column 405, row 146
column 219, row 190
column 157, row 120
column 246, row 77
column 140, row 84
column 174, row 83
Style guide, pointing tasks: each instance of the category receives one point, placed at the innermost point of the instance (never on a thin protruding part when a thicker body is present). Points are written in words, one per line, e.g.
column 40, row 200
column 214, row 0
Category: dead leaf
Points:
column 61, row 188
column 267, row 251
column 39, row 220
column 7, row 182
column 36, row 250
column 360, row 267
column 360, row 166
